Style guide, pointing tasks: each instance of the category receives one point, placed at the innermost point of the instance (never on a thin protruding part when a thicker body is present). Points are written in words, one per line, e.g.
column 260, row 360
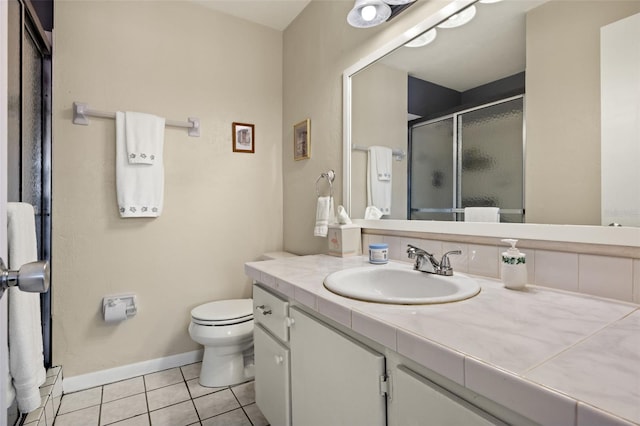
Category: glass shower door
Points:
column 491, row 156
column 472, row 158
column 432, row 180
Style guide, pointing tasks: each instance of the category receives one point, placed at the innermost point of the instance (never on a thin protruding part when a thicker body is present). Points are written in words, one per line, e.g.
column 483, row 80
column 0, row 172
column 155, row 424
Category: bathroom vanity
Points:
column 537, row 356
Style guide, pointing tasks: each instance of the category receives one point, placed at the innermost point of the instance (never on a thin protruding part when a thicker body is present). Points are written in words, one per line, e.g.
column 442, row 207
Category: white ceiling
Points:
column 490, row 47
column 276, row 14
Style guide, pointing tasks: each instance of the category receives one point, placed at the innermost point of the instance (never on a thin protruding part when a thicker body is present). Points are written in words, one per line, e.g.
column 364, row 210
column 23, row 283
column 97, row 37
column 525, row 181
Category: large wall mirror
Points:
column 573, row 94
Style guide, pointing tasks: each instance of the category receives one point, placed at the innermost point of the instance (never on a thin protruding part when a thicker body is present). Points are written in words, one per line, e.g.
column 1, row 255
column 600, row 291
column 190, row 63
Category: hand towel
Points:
column 325, row 214
column 139, row 186
column 144, row 134
column 379, row 178
column 26, row 361
column 383, row 162
column 481, row 214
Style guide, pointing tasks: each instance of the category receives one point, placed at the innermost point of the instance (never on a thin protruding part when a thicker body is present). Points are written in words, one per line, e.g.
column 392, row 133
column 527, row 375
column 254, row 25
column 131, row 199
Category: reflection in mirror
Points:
column 567, row 61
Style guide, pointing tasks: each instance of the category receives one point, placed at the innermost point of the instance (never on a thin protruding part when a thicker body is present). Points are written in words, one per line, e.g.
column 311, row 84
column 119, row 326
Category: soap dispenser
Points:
column 514, row 267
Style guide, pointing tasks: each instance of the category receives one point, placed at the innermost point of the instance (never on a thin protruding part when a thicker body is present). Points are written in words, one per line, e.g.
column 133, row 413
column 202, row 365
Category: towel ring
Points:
column 329, row 176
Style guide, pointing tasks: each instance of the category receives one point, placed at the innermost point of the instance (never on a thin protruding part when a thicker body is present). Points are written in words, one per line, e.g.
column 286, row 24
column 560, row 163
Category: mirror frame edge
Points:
column 428, row 23
column 615, row 236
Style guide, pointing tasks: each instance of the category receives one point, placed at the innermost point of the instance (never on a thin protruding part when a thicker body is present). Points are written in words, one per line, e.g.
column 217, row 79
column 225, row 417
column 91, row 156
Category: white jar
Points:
column 379, row 253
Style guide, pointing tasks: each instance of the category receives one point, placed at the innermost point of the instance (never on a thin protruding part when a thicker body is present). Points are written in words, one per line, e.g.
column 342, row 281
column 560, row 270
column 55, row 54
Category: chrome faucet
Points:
column 426, row 262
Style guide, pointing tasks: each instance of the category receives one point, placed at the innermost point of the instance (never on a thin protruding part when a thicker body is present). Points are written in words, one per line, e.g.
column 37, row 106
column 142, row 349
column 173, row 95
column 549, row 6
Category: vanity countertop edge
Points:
column 554, row 357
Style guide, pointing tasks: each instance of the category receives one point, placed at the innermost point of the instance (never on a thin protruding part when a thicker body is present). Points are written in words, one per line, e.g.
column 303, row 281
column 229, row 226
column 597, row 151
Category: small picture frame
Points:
column 302, row 140
column 243, row 137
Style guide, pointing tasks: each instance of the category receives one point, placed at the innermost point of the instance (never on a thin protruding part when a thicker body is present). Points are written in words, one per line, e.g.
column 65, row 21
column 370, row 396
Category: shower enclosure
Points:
column 472, row 158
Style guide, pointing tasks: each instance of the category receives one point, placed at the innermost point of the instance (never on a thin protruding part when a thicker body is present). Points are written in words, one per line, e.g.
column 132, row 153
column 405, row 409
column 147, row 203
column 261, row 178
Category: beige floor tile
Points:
column 141, row 420
column 168, row 395
column 191, row 371
column 122, row 409
column 255, row 415
column 196, row 390
column 175, row 415
column 85, row 417
column 122, row 389
column 216, row 403
column 232, row 418
column 79, row 400
column 245, row 393
column 163, row 378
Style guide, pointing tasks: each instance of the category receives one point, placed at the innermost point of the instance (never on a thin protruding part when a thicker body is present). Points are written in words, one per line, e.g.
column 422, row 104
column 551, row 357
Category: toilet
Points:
column 225, row 329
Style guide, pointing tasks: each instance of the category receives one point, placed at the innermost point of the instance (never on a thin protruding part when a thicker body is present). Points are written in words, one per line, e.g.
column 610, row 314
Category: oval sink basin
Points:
column 401, row 285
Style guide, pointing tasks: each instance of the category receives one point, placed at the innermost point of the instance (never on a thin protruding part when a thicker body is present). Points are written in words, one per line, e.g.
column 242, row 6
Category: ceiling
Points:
column 490, row 47
column 276, row 14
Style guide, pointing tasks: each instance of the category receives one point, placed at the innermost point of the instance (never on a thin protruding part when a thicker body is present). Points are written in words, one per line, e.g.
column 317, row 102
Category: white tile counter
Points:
column 557, row 358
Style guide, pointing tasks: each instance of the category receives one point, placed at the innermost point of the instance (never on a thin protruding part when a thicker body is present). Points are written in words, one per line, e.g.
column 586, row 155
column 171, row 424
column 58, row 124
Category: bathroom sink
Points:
column 400, row 285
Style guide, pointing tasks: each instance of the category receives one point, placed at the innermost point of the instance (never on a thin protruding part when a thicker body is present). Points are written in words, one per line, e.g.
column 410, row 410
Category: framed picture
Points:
column 243, row 137
column 302, row 140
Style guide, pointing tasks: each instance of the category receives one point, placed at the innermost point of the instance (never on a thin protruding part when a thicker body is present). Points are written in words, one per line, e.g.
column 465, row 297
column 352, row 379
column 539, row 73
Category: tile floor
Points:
column 171, row 397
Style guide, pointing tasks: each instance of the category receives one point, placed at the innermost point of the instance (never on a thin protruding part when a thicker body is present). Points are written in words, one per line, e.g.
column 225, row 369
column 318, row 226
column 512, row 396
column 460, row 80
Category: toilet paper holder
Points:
column 112, row 310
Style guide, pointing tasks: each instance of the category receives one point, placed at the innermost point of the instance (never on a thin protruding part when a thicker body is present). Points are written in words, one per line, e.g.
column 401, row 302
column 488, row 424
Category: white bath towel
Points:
column 481, row 214
column 145, row 136
column 26, row 361
column 379, row 178
column 139, row 186
column 325, row 214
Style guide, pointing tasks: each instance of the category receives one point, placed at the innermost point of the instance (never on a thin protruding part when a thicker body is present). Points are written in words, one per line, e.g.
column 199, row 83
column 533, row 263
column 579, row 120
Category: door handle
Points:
column 33, row 277
column 264, row 310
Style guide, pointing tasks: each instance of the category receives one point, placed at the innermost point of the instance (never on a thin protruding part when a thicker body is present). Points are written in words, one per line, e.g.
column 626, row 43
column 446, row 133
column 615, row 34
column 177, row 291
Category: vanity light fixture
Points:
column 460, row 18
column 397, row 2
column 423, row 39
column 368, row 13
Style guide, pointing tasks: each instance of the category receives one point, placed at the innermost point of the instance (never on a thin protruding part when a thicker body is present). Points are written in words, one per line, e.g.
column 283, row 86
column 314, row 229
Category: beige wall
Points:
column 174, row 59
column 379, row 96
column 318, row 46
column 563, row 132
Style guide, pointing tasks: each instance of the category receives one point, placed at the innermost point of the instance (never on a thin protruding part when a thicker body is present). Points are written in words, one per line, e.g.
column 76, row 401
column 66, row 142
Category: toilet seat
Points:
column 223, row 312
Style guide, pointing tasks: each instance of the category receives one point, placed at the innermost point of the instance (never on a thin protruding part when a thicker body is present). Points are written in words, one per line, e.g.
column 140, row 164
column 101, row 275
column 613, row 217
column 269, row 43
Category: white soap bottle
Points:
column 514, row 267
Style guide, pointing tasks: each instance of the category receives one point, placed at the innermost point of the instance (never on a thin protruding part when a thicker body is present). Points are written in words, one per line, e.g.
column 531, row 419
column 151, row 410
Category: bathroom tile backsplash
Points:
column 556, row 270
column 604, row 276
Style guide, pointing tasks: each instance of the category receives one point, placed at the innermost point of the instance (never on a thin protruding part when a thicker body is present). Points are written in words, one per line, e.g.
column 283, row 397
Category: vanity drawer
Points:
column 272, row 312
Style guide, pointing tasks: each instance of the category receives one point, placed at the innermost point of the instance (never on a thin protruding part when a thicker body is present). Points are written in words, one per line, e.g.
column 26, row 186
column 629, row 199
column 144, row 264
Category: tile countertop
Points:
column 557, row 358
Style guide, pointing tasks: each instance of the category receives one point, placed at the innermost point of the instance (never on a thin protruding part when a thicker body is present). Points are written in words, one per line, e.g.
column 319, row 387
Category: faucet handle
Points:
column 445, row 264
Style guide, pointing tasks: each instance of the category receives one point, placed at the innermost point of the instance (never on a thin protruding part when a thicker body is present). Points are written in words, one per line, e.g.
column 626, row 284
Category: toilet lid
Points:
column 225, row 311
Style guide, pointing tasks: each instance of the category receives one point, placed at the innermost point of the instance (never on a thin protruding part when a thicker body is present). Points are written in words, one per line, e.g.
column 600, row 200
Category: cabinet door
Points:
column 334, row 379
column 417, row 401
column 272, row 378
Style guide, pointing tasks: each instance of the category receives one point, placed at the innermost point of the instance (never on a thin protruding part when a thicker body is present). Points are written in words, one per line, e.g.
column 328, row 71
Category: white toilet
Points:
column 225, row 329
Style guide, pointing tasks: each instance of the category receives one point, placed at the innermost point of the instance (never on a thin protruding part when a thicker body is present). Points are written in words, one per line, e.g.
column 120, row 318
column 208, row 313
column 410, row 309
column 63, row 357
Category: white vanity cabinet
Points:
column 416, row 401
column 335, row 380
column 272, row 359
column 309, row 373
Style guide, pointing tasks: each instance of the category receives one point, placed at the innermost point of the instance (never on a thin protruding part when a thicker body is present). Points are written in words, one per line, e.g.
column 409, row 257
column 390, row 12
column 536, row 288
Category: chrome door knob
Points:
column 33, row 277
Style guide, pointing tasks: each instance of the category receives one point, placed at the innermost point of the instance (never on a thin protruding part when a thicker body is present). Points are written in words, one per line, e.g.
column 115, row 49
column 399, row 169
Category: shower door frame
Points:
column 457, row 211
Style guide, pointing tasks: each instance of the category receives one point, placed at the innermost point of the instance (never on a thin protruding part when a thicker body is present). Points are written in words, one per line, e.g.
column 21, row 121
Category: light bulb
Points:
column 368, row 13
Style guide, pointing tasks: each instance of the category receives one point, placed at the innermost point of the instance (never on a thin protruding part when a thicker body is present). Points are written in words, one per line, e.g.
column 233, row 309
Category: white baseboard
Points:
column 102, row 377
